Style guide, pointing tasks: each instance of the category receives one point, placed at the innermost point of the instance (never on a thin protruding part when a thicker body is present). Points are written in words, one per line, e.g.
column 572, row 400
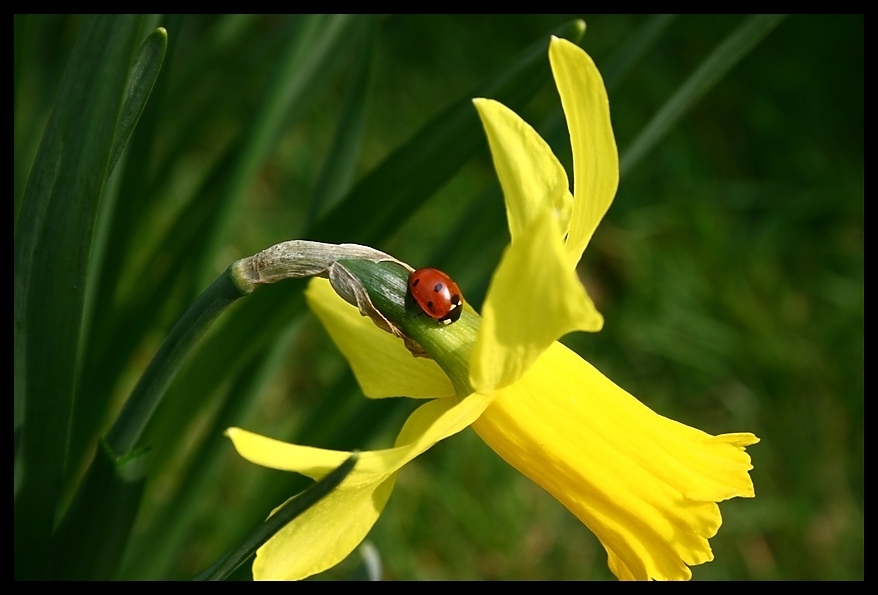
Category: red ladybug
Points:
column 437, row 295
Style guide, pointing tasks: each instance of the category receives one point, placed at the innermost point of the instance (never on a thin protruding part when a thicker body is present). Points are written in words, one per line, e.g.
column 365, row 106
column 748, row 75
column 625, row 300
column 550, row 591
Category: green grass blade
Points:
column 52, row 247
column 337, row 174
column 630, row 53
column 728, row 53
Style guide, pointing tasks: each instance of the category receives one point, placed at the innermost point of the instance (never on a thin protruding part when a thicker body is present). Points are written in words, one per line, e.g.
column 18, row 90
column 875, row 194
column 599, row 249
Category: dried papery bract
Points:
column 303, row 258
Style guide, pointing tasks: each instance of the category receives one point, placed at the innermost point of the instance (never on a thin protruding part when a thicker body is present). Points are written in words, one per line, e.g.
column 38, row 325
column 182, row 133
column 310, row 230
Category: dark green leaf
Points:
column 144, row 71
column 337, row 173
column 52, row 248
column 89, row 543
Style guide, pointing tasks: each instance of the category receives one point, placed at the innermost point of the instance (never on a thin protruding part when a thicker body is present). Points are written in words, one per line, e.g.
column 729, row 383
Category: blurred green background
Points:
column 729, row 270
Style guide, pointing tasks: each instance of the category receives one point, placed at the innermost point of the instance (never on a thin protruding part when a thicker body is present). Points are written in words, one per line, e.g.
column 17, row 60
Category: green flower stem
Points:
column 148, row 393
column 449, row 345
column 226, row 565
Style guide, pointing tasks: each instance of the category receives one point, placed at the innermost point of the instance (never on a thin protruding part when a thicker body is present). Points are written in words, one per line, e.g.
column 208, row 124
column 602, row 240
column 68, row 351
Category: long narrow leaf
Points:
column 144, row 71
column 337, row 173
column 90, row 541
column 52, row 247
column 634, row 49
column 122, row 214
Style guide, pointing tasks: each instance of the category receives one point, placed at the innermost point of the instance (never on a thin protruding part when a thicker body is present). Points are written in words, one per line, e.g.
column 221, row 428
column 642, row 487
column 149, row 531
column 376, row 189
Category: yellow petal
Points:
column 533, row 299
column 595, row 157
column 330, row 530
column 324, row 535
column 646, row 485
column 380, row 361
column 531, row 176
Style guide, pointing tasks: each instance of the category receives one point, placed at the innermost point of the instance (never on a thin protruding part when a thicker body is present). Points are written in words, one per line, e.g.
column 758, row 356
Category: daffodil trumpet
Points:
column 646, row 485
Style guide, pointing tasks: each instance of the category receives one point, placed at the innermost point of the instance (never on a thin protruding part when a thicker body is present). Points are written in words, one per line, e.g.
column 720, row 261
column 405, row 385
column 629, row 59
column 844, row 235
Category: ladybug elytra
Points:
column 436, row 294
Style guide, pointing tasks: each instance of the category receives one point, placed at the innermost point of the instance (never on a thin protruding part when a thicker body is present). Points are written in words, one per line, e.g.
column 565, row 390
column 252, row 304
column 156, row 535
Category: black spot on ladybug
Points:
column 415, row 282
column 438, row 287
column 455, row 300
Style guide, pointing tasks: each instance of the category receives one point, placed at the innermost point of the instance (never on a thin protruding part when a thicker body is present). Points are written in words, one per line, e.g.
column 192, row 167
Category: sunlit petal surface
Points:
column 330, row 530
column 380, row 361
column 533, row 299
column 530, row 175
column 646, row 485
column 595, row 157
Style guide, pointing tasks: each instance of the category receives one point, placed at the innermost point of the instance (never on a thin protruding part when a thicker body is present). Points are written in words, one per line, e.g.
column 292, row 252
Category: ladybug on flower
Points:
column 437, row 295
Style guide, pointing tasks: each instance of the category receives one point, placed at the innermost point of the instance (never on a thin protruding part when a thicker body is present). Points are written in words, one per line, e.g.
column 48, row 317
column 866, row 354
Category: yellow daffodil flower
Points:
column 646, row 485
